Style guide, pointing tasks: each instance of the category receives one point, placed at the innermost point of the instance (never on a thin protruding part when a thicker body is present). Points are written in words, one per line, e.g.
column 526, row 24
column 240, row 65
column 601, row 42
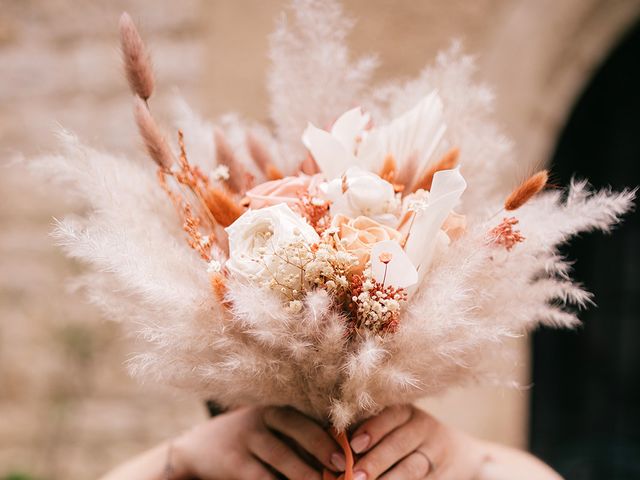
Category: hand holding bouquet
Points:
column 353, row 258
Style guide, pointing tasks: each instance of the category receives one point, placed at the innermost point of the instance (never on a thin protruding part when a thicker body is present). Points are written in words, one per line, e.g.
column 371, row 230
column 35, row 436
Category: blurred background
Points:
column 565, row 74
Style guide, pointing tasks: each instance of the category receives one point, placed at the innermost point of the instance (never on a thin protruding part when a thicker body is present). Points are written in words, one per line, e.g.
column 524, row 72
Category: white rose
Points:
column 257, row 234
column 366, row 195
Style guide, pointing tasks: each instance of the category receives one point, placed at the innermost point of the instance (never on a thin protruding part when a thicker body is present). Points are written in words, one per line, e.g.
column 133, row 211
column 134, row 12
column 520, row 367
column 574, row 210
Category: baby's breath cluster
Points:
column 376, row 307
column 286, row 266
column 297, row 267
column 330, row 268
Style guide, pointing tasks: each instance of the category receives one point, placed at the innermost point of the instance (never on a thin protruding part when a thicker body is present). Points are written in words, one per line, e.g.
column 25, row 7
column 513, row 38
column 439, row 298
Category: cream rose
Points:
column 362, row 193
column 257, row 234
column 358, row 235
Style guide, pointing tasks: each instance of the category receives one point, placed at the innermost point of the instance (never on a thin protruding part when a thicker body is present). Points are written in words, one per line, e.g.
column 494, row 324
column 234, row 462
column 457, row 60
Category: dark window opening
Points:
column 585, row 411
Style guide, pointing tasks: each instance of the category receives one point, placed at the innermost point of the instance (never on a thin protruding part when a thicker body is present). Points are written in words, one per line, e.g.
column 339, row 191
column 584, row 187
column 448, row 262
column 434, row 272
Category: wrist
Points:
column 177, row 464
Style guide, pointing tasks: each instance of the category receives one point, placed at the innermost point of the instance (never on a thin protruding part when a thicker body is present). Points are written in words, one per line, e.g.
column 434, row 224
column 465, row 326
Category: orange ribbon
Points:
column 343, row 441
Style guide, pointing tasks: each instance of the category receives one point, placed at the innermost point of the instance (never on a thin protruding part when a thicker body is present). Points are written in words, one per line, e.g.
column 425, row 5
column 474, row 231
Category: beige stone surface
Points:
column 67, row 407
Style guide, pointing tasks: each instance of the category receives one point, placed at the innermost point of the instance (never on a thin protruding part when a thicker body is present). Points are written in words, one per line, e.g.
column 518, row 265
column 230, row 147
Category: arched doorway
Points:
column 585, row 410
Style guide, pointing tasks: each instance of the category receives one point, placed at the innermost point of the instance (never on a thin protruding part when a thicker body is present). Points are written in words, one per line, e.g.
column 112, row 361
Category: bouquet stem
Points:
column 343, row 441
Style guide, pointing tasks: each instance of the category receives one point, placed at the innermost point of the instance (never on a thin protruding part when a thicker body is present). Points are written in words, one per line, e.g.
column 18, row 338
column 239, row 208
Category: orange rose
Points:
column 358, row 235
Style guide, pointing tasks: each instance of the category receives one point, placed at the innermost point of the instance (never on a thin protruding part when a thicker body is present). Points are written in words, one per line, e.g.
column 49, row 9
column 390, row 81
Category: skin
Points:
column 406, row 443
column 401, row 443
column 245, row 444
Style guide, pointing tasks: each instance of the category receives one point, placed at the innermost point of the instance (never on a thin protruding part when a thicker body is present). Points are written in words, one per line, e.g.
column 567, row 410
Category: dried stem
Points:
column 191, row 224
column 194, row 179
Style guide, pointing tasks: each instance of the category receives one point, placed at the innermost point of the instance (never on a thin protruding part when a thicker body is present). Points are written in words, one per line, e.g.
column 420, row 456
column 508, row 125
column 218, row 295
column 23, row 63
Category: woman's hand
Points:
column 249, row 443
column 405, row 443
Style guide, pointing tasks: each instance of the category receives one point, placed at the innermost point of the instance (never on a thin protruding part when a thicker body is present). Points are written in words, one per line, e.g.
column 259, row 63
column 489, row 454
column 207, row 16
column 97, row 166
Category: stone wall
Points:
column 68, row 409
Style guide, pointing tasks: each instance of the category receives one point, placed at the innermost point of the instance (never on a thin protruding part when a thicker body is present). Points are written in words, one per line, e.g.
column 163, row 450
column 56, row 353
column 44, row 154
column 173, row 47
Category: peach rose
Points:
column 286, row 190
column 359, row 234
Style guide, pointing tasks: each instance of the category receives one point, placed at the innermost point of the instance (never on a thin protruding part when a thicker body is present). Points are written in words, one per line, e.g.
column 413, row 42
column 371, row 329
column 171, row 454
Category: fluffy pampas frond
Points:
column 313, row 77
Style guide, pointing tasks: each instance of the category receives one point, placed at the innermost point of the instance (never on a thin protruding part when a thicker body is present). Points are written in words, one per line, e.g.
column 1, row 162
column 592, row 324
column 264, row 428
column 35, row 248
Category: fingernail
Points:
column 359, row 475
column 338, row 461
column 360, row 443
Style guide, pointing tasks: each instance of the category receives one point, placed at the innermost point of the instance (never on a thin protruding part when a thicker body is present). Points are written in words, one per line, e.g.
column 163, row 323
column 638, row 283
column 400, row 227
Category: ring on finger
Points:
column 432, row 465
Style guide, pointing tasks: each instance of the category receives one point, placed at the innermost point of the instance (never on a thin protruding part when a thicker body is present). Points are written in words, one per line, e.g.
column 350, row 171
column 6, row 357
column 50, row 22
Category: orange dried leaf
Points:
column 388, row 171
column 448, row 161
column 223, row 208
column 273, row 173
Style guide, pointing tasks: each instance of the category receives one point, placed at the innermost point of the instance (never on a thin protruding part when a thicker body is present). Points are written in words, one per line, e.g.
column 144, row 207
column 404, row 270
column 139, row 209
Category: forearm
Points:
column 504, row 463
column 150, row 465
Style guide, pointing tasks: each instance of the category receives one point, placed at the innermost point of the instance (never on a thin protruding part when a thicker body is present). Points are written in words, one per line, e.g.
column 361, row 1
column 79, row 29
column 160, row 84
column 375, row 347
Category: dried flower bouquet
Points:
column 347, row 260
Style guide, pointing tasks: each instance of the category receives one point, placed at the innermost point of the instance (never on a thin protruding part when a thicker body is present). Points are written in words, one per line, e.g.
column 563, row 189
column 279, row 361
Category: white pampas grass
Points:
column 475, row 296
column 312, row 77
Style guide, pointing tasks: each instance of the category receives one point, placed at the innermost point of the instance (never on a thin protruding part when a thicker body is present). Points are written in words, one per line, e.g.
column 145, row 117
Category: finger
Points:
column 307, row 433
column 373, row 430
column 254, row 470
column 278, row 455
column 397, row 445
column 415, row 466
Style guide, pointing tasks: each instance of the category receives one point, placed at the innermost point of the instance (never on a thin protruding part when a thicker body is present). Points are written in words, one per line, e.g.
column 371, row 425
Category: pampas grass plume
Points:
column 155, row 143
column 526, row 190
column 137, row 62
